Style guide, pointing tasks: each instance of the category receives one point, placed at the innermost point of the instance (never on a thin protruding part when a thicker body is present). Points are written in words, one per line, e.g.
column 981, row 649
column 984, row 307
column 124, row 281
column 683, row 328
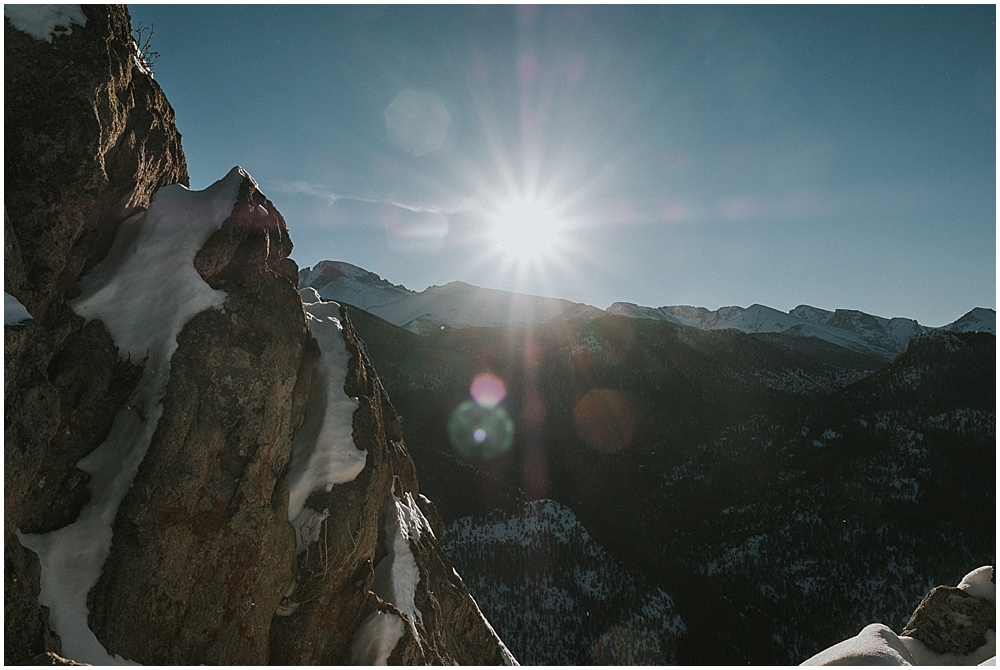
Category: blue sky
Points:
column 839, row 156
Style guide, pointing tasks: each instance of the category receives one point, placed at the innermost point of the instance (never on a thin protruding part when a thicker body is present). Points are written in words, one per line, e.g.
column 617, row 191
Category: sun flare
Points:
column 527, row 231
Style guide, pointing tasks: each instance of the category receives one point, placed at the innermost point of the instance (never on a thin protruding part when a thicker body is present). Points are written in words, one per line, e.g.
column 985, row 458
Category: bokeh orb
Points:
column 480, row 433
column 417, row 122
column 487, row 390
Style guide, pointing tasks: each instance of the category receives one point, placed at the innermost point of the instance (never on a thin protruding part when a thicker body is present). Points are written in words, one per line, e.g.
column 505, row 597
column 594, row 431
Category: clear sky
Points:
column 838, row 156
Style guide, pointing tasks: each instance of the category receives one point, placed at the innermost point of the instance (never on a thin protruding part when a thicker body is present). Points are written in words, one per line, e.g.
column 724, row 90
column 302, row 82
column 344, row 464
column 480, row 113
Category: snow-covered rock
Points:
column 92, row 145
column 43, row 22
column 145, row 292
column 936, row 634
column 323, row 453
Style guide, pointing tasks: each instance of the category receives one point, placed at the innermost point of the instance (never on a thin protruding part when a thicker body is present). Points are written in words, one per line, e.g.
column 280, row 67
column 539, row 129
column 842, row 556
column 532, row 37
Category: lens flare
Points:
column 480, row 433
column 487, row 390
column 417, row 122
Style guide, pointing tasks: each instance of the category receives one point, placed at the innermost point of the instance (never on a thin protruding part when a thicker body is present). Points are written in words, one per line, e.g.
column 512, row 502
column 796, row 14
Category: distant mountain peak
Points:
column 456, row 304
column 451, row 287
column 327, row 271
column 810, row 313
column 979, row 319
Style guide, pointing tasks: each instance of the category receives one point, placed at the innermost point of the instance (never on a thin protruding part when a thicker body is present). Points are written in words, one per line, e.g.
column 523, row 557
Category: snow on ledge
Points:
column 42, row 21
column 877, row 644
column 145, row 290
column 397, row 575
column 396, row 579
column 376, row 638
column 14, row 313
column 323, row 449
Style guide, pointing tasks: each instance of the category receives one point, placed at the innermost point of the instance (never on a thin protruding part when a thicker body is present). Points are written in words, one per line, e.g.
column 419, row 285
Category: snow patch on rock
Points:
column 397, row 575
column 323, row 450
column 395, row 582
column 144, row 291
column 43, row 22
column 14, row 313
column 375, row 639
column 979, row 584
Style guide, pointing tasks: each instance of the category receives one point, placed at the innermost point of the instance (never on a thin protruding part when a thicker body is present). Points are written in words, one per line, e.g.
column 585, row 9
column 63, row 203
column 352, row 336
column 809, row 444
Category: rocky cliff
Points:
column 197, row 469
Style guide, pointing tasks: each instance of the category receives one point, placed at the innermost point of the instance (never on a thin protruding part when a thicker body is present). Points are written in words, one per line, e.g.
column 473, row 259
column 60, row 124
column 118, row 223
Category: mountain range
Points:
column 461, row 305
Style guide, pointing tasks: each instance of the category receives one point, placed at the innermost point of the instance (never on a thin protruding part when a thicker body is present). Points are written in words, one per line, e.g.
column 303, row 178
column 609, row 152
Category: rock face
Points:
column 206, row 507
column 202, row 564
column 89, row 139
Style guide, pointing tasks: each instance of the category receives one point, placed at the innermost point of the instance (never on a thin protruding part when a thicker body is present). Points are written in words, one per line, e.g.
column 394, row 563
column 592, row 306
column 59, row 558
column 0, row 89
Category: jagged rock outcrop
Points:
column 89, row 137
column 177, row 446
column 208, row 506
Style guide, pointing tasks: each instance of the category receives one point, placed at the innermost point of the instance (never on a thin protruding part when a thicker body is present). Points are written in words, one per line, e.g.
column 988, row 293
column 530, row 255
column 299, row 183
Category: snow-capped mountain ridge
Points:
column 455, row 304
column 352, row 285
column 979, row 319
column 853, row 329
column 458, row 304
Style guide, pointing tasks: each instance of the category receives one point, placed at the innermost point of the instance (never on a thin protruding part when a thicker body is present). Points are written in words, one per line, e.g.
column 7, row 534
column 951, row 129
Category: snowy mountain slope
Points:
column 760, row 319
column 852, row 329
column 980, row 320
column 456, row 304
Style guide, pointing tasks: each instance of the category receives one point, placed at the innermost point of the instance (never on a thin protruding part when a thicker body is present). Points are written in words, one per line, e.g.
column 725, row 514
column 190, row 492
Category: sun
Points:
column 529, row 240
column 527, row 231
